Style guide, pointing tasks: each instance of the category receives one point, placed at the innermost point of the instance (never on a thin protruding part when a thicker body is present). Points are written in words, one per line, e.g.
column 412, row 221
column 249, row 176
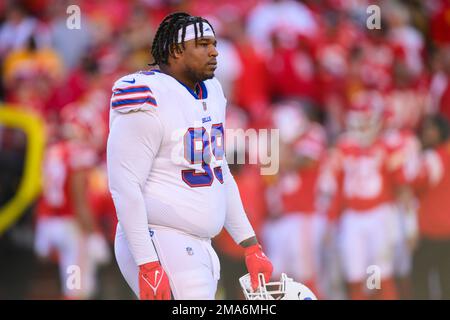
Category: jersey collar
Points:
column 200, row 88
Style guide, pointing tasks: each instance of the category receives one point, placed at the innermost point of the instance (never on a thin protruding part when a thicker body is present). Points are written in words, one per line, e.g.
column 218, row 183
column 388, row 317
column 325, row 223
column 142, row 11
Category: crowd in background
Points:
column 294, row 65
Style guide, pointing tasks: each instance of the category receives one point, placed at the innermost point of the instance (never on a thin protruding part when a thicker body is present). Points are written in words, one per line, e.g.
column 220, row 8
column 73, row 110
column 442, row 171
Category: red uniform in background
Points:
column 363, row 177
column 61, row 160
column 293, row 239
column 432, row 254
column 433, row 193
column 59, row 228
column 404, row 149
column 298, row 194
column 363, row 206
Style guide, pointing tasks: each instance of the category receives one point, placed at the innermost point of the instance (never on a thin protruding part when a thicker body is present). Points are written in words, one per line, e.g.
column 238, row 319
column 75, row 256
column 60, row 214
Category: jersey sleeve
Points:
column 133, row 143
column 132, row 93
column 236, row 220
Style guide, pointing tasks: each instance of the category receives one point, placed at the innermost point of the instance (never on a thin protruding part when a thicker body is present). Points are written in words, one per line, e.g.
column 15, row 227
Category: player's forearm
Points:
column 131, row 214
column 83, row 212
column 236, row 220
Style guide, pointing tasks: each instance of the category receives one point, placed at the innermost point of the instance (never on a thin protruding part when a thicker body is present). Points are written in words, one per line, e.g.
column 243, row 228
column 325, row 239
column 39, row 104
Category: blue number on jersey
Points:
column 197, row 149
column 218, row 147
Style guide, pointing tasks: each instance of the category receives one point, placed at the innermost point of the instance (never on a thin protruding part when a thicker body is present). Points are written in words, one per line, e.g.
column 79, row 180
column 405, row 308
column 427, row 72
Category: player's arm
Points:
column 83, row 212
column 240, row 229
column 431, row 173
column 404, row 165
column 134, row 140
column 236, row 221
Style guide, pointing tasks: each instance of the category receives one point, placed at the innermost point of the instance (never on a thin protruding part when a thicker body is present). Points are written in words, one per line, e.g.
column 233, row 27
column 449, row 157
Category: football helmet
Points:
column 285, row 289
column 291, row 119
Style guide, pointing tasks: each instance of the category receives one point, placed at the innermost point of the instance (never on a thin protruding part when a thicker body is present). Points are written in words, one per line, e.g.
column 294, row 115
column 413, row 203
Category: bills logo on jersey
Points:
column 206, row 119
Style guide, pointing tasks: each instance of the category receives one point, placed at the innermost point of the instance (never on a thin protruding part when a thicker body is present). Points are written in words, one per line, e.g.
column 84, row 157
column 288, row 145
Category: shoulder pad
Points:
column 217, row 86
column 132, row 93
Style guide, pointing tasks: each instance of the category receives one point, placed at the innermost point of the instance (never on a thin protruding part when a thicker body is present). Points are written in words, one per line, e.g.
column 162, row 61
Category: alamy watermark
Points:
column 74, row 19
column 73, row 280
column 200, row 147
column 373, row 281
column 374, row 19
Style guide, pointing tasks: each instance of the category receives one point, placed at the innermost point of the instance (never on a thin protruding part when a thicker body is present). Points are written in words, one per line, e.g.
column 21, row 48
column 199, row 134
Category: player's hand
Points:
column 257, row 262
column 153, row 282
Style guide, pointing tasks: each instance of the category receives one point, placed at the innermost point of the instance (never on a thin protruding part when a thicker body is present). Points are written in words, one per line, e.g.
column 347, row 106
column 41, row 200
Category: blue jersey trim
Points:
column 133, row 102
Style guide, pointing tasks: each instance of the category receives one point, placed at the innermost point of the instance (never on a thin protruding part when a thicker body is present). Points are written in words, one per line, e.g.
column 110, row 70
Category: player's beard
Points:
column 208, row 76
column 200, row 75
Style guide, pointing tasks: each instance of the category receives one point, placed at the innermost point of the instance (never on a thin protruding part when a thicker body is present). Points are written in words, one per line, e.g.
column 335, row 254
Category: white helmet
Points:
column 291, row 119
column 285, row 289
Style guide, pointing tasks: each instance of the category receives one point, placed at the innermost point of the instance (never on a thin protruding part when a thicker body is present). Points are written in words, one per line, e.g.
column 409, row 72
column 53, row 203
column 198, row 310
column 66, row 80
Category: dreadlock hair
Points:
column 166, row 38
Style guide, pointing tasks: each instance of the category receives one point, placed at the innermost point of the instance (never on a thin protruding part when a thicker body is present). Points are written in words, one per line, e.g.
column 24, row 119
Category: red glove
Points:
column 153, row 282
column 257, row 262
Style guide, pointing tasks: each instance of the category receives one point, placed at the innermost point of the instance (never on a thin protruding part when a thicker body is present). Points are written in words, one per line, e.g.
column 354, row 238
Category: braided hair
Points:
column 167, row 35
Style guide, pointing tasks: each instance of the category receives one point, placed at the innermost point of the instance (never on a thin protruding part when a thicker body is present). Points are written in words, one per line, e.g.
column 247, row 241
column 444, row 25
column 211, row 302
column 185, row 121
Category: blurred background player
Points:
column 363, row 200
column 431, row 264
column 404, row 148
column 66, row 228
column 293, row 234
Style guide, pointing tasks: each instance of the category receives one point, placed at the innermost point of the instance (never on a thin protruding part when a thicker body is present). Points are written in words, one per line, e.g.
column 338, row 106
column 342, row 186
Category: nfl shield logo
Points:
column 204, row 105
column 189, row 251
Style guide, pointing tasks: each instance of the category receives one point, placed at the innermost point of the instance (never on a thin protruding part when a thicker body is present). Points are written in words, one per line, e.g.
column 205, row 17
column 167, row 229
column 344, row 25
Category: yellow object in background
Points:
column 30, row 183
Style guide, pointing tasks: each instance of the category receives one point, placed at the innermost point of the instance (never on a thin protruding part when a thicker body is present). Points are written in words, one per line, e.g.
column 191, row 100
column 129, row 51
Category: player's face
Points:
column 363, row 128
column 429, row 134
column 200, row 58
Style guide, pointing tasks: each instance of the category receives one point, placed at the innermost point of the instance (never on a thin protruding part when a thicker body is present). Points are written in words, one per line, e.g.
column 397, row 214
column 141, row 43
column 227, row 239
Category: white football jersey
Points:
column 186, row 186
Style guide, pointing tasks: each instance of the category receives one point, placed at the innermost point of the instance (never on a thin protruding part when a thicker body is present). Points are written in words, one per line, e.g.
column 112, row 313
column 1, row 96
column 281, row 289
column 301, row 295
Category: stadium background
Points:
column 318, row 53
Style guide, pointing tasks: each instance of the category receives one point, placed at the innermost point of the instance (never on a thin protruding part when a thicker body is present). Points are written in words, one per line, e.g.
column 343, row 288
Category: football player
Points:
column 167, row 171
column 293, row 239
column 404, row 148
column 363, row 202
column 431, row 256
column 66, row 228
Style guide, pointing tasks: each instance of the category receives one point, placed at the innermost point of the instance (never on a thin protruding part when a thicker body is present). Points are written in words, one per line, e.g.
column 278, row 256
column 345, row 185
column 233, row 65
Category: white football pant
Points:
column 191, row 263
column 367, row 241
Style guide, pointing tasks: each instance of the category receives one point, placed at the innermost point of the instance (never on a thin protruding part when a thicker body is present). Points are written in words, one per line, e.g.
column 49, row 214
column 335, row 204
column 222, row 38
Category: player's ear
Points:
column 176, row 51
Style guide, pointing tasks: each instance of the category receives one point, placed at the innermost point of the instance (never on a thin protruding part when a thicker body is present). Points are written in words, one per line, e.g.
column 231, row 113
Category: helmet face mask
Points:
column 364, row 118
column 285, row 289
